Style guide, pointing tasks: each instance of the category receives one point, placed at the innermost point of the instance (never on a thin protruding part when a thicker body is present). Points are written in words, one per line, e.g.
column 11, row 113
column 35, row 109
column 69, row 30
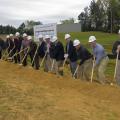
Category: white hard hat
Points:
column 54, row 39
column 29, row 37
column 76, row 42
column 7, row 36
column 119, row 32
column 67, row 36
column 92, row 39
column 17, row 34
column 11, row 35
column 47, row 37
column 24, row 35
column 40, row 36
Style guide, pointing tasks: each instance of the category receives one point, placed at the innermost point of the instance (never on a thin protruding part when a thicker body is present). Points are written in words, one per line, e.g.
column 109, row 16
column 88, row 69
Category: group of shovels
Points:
column 7, row 58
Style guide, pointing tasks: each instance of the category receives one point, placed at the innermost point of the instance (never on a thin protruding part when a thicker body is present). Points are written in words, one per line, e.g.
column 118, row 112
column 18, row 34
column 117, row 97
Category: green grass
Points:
column 105, row 39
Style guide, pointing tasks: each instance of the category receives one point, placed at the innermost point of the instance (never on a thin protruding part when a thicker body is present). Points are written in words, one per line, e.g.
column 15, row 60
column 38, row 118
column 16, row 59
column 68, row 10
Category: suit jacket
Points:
column 2, row 44
column 114, row 49
column 42, row 49
column 71, row 51
column 59, row 51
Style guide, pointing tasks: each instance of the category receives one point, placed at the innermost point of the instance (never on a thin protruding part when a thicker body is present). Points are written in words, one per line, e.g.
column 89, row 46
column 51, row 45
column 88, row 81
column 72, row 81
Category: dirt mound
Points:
column 26, row 94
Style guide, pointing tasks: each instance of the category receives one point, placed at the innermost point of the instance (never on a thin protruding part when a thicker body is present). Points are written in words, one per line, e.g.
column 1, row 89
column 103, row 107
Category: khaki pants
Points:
column 47, row 64
column 59, row 69
column 118, row 73
column 53, row 66
column 100, row 70
column 84, row 71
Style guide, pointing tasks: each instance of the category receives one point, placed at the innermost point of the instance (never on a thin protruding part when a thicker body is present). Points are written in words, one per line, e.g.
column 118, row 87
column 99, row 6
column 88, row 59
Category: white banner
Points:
column 47, row 29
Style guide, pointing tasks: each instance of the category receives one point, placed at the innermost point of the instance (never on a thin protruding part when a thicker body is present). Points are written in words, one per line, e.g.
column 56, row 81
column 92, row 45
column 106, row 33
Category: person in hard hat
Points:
column 10, row 44
column 2, row 46
column 32, row 53
column 32, row 46
column 71, row 53
column 41, row 49
column 52, row 57
column 85, row 58
column 115, row 51
column 48, row 62
column 101, row 59
column 7, row 42
column 58, row 55
column 17, row 43
column 25, row 47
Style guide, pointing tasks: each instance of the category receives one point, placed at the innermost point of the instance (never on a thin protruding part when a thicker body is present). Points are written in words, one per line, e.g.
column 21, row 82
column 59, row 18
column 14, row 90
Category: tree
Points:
column 27, row 26
column 103, row 15
column 7, row 29
column 85, row 20
column 71, row 20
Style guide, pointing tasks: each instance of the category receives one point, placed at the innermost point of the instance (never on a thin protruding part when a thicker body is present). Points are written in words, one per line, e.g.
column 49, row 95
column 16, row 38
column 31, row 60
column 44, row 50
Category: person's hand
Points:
column 66, row 56
column 118, row 49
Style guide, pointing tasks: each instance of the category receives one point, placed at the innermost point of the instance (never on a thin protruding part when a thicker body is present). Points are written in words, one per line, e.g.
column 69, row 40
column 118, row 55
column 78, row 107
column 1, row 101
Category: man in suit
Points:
column 25, row 47
column 85, row 63
column 10, row 45
column 17, row 43
column 58, row 55
column 71, row 54
column 41, row 50
column 2, row 47
column 116, row 51
column 48, row 62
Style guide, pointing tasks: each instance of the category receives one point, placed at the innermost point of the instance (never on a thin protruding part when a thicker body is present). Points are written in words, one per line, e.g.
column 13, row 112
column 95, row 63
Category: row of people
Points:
column 50, row 53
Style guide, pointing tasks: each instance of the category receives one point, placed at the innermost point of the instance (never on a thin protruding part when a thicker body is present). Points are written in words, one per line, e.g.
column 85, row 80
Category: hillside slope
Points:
column 26, row 94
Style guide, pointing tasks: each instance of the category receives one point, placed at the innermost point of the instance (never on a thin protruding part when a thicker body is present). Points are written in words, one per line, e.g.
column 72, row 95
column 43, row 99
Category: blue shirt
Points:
column 99, row 53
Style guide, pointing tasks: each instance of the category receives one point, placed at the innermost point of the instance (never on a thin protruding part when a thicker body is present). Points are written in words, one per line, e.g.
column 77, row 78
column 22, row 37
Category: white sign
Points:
column 47, row 29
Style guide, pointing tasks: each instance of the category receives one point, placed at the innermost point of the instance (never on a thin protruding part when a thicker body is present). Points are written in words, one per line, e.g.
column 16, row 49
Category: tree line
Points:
column 25, row 27
column 101, row 15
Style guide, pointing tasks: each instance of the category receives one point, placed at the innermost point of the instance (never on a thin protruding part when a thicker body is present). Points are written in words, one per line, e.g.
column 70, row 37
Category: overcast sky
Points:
column 14, row 12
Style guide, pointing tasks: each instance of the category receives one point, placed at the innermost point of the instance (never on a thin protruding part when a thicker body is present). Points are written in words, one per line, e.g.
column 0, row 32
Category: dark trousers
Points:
column 0, row 54
column 35, row 63
column 36, row 60
column 17, row 57
column 10, row 52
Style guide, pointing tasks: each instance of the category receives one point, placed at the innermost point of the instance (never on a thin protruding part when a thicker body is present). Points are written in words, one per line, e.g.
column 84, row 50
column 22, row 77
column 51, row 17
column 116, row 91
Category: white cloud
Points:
column 13, row 11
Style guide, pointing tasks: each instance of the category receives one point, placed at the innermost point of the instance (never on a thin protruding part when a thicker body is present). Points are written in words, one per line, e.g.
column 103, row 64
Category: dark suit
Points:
column 33, row 47
column 17, row 43
column 2, row 46
column 10, row 46
column 70, row 50
column 72, row 55
column 114, row 49
column 59, row 51
column 42, row 49
column 115, row 45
